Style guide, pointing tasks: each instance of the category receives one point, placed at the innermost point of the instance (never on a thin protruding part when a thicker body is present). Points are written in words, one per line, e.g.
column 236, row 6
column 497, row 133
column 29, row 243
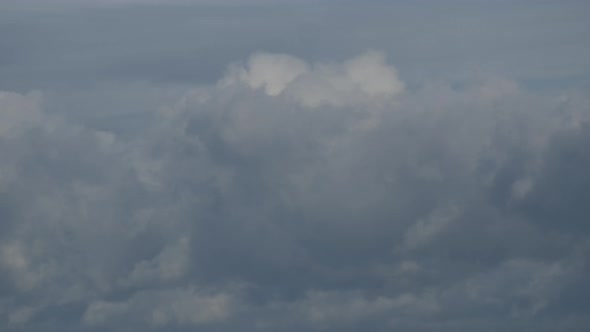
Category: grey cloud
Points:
column 246, row 205
column 295, row 191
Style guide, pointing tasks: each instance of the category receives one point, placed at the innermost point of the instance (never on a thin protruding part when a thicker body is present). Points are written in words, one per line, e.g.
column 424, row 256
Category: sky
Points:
column 259, row 165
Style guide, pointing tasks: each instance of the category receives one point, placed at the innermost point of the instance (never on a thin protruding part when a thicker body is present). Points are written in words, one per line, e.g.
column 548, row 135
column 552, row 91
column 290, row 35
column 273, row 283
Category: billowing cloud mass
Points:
column 296, row 194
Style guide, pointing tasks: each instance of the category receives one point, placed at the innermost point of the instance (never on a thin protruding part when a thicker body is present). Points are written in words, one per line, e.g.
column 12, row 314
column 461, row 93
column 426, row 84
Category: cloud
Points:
column 273, row 72
column 170, row 264
column 18, row 112
column 192, row 309
column 425, row 229
column 438, row 183
column 293, row 195
column 363, row 79
column 161, row 309
column 342, row 308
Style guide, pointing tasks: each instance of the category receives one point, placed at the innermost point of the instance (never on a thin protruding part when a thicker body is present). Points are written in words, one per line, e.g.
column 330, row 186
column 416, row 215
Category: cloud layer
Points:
column 300, row 196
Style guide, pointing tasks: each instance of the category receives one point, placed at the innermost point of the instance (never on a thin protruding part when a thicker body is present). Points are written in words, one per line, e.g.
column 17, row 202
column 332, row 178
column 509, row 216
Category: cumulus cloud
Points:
column 273, row 72
column 366, row 78
column 297, row 196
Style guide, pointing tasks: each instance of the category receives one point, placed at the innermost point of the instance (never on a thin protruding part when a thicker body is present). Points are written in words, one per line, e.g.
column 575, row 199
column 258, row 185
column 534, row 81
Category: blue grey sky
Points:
column 265, row 165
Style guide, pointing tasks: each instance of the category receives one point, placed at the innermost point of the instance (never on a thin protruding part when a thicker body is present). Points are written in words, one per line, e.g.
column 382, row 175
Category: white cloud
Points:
column 271, row 72
column 364, row 79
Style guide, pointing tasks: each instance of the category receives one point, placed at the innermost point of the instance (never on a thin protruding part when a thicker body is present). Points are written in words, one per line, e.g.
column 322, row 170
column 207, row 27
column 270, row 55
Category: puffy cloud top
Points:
column 366, row 78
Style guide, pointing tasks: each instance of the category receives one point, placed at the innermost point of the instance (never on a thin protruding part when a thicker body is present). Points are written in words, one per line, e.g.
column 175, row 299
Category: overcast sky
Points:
column 262, row 165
